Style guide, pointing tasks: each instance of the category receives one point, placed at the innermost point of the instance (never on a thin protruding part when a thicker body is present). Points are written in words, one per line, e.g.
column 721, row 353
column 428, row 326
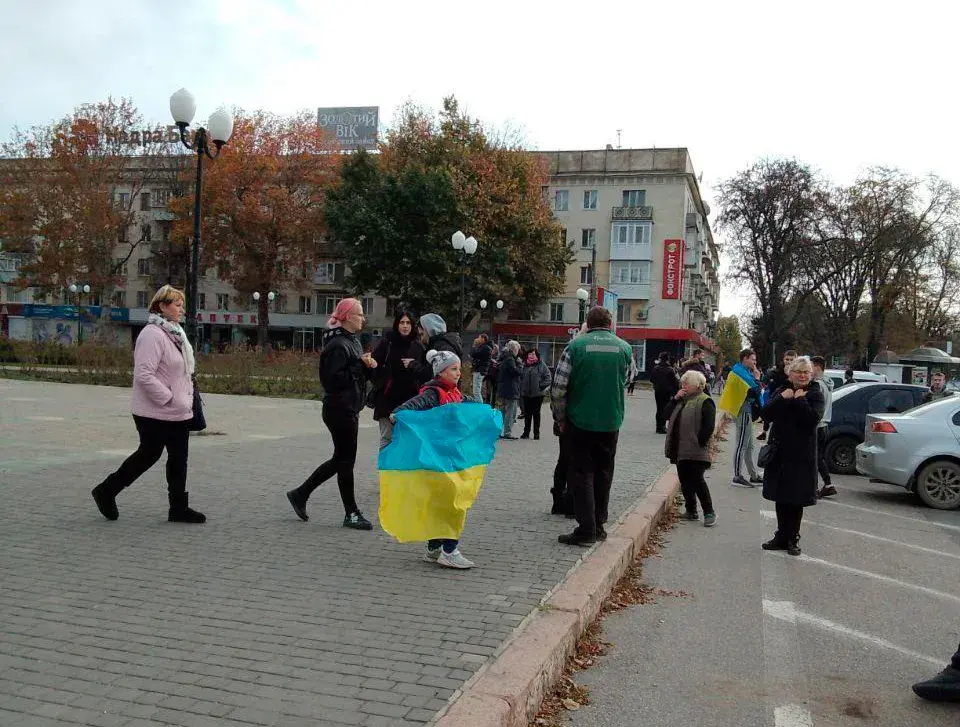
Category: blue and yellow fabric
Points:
column 739, row 383
column 432, row 470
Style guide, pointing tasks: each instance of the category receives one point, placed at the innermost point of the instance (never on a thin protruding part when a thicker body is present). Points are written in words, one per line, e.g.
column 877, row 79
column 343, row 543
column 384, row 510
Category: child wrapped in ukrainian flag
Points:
column 432, row 469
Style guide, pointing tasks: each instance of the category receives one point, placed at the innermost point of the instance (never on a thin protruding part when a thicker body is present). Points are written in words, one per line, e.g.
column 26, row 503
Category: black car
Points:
column 851, row 404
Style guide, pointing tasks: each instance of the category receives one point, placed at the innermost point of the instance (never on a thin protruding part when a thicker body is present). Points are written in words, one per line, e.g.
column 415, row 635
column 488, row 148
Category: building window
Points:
column 161, row 197
column 367, row 304
column 119, row 299
column 623, row 313
column 123, row 200
column 563, row 235
column 640, row 355
column 329, row 273
column 201, row 301
column 143, row 266
column 588, row 238
column 280, row 304
column 589, row 199
column 120, row 267
column 634, row 197
column 122, row 234
column 635, row 272
column 545, row 193
column 631, row 233
column 556, row 312
column 561, row 200
column 326, row 304
column 146, row 234
column 223, row 301
column 144, row 201
column 142, row 299
column 586, row 275
column 306, row 304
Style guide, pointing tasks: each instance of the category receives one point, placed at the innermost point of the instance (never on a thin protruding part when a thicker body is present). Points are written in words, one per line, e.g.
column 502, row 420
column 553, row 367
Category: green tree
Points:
column 729, row 340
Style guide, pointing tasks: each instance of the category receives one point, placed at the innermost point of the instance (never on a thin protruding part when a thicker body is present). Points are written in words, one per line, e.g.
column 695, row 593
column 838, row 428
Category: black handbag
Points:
column 768, row 453
column 375, row 389
column 199, row 421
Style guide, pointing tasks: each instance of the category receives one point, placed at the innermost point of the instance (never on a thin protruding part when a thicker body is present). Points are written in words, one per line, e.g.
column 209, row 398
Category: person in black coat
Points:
column 344, row 371
column 509, row 371
column 400, row 359
column 790, row 477
column 665, row 387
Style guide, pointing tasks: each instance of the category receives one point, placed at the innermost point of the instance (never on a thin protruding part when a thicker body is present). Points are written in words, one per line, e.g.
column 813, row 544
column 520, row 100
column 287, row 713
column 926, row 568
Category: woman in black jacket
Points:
column 509, row 370
column 400, row 360
column 344, row 370
column 790, row 477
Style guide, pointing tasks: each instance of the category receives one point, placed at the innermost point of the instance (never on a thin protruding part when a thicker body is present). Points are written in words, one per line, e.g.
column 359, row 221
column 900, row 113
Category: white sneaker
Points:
column 432, row 554
column 454, row 560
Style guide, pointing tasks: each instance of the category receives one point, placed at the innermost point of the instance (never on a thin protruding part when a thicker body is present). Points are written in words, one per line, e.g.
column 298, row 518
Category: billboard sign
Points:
column 672, row 269
column 353, row 126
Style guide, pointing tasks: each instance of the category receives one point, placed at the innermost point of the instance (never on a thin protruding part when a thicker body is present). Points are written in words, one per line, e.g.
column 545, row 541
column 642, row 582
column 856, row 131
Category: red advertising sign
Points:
column 672, row 269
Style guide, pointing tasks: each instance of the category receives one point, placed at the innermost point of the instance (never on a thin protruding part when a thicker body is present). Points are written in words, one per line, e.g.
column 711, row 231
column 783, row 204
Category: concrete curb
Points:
column 509, row 691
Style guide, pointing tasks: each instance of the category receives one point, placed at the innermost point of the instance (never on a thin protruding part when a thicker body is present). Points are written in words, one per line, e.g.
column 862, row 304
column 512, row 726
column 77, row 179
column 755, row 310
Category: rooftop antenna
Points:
column 618, row 138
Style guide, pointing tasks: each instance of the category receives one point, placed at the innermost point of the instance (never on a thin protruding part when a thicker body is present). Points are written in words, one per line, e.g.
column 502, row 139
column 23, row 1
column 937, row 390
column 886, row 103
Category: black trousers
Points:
column 662, row 400
column 590, row 475
column 344, row 428
column 155, row 436
column 562, row 494
column 789, row 518
column 531, row 408
column 822, row 455
column 955, row 661
column 694, row 486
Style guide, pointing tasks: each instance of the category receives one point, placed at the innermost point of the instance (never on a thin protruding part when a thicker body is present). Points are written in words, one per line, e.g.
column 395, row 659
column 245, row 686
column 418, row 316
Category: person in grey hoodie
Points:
column 535, row 381
column 826, row 386
column 434, row 337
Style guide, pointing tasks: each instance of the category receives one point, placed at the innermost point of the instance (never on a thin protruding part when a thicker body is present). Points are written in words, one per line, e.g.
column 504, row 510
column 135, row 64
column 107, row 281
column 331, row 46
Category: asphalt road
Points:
column 832, row 638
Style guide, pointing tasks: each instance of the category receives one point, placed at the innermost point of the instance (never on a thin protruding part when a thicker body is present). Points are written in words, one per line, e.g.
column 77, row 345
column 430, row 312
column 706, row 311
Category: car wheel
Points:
column 938, row 485
column 842, row 455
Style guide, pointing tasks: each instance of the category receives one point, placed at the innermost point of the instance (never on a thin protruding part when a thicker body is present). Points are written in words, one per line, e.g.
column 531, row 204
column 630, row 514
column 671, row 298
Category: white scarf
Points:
column 179, row 336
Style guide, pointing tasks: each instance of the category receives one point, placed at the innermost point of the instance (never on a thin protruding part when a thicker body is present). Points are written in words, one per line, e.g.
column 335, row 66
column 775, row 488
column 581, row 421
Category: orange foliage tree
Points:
column 262, row 206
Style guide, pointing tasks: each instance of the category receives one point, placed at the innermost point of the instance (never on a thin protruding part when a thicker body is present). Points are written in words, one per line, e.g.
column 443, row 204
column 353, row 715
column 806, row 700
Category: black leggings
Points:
column 694, row 486
column 531, row 409
column 822, row 465
column 344, row 428
column 155, row 436
column 789, row 518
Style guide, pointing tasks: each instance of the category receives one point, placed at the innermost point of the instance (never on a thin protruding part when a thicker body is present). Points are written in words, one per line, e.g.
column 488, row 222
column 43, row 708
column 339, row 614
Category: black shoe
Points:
column 661, row 430
column 688, row 516
column 298, row 504
column 762, row 437
column 775, row 543
column 793, row 547
column 525, row 435
column 601, row 534
column 576, row 538
column 537, row 435
column 743, row 482
column 827, row 491
column 357, row 521
column 106, row 503
column 558, row 509
column 757, row 480
column 180, row 511
column 944, row 687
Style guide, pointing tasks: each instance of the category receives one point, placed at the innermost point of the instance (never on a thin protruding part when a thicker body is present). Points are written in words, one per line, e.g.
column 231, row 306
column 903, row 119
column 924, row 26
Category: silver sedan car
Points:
column 918, row 449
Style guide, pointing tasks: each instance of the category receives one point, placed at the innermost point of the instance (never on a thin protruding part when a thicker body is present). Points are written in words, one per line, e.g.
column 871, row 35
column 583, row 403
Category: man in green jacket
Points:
column 588, row 404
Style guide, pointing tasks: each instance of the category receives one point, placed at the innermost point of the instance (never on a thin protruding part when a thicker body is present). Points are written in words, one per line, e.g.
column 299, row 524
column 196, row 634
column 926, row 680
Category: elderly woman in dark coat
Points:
column 790, row 477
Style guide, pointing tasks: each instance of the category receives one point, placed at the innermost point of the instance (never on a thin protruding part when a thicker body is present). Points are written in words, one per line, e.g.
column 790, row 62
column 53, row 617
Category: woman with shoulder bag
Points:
column 691, row 416
column 790, row 475
column 163, row 392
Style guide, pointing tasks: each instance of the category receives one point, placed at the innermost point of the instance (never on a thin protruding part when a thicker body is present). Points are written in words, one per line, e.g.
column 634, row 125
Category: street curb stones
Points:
column 508, row 691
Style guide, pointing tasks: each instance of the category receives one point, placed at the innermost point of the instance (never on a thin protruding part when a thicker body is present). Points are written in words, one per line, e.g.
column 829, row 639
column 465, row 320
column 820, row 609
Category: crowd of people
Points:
column 417, row 366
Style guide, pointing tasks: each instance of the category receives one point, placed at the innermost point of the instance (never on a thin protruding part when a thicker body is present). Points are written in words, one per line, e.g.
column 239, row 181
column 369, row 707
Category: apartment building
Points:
column 639, row 230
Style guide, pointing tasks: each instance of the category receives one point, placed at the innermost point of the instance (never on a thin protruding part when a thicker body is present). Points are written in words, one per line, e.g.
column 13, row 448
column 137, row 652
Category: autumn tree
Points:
column 729, row 340
column 68, row 192
column 262, row 206
column 391, row 216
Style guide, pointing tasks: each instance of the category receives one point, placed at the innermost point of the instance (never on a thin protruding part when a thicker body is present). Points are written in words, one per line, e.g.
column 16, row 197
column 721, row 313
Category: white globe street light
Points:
column 468, row 245
column 457, row 239
column 582, row 296
column 499, row 305
column 483, row 304
column 79, row 291
column 270, row 296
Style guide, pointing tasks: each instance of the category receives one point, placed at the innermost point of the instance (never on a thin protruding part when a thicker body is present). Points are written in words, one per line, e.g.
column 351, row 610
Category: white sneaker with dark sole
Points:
column 454, row 560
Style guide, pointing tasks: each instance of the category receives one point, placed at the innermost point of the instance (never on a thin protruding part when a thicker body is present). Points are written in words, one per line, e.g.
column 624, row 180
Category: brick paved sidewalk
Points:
column 255, row 617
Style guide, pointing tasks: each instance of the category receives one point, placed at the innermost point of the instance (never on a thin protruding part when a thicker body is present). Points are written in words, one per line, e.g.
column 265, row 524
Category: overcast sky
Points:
column 841, row 85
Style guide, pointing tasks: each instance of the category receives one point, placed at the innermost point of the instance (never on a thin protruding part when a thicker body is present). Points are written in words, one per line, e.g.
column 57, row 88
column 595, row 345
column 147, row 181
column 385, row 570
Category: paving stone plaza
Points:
column 254, row 618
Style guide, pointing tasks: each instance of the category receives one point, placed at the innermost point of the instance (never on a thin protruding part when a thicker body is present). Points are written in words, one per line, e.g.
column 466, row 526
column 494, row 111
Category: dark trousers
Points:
column 589, row 475
column 448, row 545
column 155, row 436
column 694, row 486
column 562, row 494
column 344, row 427
column 822, row 455
column 662, row 399
column 631, row 386
column 955, row 661
column 531, row 408
column 789, row 518
column 492, row 392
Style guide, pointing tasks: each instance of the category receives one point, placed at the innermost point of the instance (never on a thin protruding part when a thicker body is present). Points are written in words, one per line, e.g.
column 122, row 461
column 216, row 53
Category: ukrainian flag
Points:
column 431, row 471
column 739, row 383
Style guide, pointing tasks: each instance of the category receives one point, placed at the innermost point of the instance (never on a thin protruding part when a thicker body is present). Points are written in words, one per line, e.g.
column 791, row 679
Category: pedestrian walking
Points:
column 344, row 371
column 945, row 686
column 775, row 379
column 509, row 371
column 534, row 385
column 490, row 379
column 633, row 376
column 588, row 404
column 665, row 387
column 480, row 356
column 790, row 478
column 692, row 418
column 400, row 359
column 162, row 404
column 440, row 390
column 826, row 389
column 741, row 400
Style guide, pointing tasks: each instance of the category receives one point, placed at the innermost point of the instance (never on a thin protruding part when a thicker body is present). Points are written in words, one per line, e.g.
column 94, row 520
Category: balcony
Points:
column 632, row 213
column 631, row 291
column 631, row 252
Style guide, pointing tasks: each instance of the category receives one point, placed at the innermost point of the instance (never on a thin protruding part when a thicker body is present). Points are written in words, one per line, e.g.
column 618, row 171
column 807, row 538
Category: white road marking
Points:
column 792, row 715
column 834, row 503
column 21, row 398
column 264, row 436
column 879, row 577
column 930, row 551
column 114, row 452
column 263, row 406
column 786, row 611
column 46, row 419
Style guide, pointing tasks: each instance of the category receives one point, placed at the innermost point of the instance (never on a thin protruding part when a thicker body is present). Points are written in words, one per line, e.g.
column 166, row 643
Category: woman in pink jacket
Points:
column 163, row 367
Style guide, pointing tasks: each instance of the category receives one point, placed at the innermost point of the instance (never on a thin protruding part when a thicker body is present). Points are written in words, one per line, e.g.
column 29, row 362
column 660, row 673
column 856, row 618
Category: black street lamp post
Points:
column 469, row 246
column 183, row 107
column 79, row 291
column 582, row 296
